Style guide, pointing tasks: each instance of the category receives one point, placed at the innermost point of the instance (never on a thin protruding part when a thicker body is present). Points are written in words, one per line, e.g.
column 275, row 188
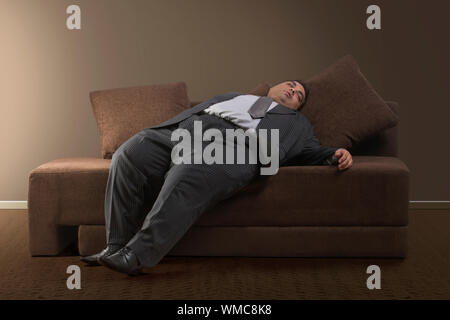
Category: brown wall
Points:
column 47, row 71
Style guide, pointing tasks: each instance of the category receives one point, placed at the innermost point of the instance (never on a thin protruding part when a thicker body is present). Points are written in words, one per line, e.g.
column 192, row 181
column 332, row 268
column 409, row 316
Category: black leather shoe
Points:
column 93, row 259
column 124, row 261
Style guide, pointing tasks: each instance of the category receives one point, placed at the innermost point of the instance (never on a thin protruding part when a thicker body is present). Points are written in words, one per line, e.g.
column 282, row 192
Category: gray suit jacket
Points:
column 298, row 144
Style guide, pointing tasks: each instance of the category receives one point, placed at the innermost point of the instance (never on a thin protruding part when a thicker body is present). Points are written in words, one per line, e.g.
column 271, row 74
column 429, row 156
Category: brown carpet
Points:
column 422, row 275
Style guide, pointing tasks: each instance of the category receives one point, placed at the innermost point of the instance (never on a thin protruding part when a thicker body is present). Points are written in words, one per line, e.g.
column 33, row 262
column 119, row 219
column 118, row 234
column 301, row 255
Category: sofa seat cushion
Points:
column 373, row 192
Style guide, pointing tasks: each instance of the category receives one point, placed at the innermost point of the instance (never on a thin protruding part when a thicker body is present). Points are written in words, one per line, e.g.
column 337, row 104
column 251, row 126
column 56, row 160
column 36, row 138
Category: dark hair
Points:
column 306, row 92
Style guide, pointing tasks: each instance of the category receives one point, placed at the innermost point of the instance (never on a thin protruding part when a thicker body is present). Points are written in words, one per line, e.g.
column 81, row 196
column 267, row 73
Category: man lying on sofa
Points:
column 143, row 168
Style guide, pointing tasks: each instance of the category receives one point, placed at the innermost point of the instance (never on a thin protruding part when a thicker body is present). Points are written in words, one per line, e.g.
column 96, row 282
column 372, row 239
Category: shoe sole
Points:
column 94, row 263
column 90, row 262
column 132, row 273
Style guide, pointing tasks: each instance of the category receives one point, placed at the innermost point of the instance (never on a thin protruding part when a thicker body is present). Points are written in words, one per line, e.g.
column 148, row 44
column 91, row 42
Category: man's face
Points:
column 289, row 93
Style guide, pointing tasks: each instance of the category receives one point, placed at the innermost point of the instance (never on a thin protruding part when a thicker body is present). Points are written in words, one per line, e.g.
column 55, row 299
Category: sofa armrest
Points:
column 46, row 202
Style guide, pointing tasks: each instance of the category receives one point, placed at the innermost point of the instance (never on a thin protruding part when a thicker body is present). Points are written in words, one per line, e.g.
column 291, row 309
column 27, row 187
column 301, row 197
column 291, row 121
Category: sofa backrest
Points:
column 384, row 144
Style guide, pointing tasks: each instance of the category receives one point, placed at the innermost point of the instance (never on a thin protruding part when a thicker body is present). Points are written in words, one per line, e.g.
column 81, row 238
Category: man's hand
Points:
column 344, row 158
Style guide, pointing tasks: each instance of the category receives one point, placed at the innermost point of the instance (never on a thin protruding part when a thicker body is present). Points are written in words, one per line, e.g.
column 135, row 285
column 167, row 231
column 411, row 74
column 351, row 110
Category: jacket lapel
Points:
column 276, row 118
column 202, row 106
column 280, row 109
column 283, row 119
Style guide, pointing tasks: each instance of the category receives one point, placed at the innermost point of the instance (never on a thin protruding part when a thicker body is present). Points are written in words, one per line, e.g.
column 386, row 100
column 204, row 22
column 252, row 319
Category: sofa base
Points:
column 296, row 241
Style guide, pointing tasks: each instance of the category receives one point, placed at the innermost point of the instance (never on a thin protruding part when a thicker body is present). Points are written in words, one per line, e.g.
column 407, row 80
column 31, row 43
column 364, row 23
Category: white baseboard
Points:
column 13, row 205
column 416, row 205
column 437, row 205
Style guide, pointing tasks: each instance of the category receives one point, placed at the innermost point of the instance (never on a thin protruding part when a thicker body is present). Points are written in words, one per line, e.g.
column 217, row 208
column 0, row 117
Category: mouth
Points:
column 287, row 94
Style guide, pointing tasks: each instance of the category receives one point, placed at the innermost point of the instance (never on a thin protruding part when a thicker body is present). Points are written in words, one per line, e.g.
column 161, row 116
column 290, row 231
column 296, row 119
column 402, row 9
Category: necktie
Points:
column 259, row 108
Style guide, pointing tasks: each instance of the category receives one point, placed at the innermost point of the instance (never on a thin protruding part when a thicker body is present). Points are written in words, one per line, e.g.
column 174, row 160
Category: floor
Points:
column 424, row 274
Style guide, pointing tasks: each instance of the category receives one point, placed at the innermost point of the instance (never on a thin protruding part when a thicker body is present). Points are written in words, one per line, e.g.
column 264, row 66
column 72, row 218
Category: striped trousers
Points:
column 150, row 202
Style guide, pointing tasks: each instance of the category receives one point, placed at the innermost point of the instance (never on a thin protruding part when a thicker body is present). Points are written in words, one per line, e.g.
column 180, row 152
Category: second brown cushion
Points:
column 343, row 107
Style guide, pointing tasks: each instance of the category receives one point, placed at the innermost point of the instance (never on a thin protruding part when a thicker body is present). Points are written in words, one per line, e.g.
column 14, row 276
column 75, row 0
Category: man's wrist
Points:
column 331, row 161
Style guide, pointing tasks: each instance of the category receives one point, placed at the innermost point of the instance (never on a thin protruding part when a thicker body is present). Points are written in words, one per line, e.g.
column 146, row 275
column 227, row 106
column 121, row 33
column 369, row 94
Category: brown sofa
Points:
column 303, row 211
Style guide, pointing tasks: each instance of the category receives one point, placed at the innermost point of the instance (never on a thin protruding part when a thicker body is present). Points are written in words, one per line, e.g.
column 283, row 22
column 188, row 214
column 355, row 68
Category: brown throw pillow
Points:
column 260, row 90
column 343, row 107
column 385, row 143
column 123, row 112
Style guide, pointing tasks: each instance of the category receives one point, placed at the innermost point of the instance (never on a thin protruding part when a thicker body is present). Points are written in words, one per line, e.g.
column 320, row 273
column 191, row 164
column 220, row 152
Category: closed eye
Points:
column 299, row 94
